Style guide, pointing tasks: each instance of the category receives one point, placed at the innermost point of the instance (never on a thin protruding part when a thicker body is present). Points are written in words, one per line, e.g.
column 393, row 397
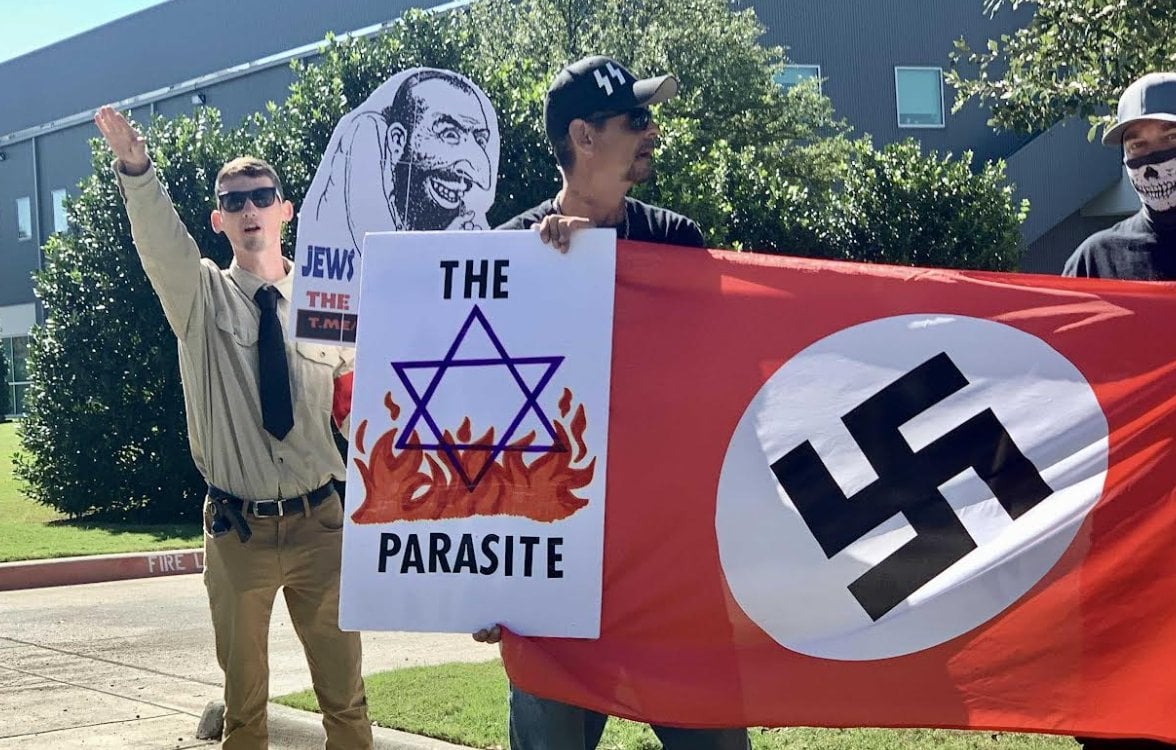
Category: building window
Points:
column 24, row 219
column 919, row 95
column 794, row 74
column 60, row 220
column 16, row 353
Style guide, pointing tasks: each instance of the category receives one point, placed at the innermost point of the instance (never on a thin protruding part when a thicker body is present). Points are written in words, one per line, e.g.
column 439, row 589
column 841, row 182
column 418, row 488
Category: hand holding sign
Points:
column 556, row 230
column 489, row 635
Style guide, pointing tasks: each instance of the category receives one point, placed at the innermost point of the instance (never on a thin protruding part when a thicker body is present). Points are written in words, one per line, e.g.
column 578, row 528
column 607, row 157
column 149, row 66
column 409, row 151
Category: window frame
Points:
column 28, row 204
column 64, row 193
column 820, row 79
column 8, row 344
column 898, row 102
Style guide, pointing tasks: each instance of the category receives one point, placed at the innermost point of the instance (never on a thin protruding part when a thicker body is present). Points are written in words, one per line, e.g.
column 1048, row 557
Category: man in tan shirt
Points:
column 259, row 412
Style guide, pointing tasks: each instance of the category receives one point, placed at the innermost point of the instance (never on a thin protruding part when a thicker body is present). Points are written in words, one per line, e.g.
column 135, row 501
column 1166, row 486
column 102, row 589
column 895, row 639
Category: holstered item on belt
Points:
column 228, row 513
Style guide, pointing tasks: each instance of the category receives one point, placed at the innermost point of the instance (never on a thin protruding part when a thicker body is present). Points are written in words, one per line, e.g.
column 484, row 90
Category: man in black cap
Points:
column 1143, row 247
column 598, row 119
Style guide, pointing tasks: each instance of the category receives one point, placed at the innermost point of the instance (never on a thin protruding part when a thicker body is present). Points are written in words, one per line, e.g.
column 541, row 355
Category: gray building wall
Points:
column 173, row 42
column 858, row 44
column 1049, row 252
column 18, row 258
column 236, row 98
column 1057, row 171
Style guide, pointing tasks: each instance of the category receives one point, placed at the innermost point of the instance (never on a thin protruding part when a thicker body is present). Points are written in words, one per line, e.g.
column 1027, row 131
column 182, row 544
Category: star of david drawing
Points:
column 530, row 394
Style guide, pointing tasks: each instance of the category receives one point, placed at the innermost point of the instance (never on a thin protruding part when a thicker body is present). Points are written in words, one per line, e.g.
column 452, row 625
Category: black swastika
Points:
column 908, row 483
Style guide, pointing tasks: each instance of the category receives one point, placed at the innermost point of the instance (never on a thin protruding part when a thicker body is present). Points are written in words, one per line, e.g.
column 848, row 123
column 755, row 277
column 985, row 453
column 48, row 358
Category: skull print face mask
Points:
column 1154, row 177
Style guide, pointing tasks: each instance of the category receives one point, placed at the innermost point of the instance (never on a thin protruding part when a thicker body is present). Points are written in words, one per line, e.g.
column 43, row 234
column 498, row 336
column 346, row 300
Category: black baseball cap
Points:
column 1152, row 97
column 596, row 85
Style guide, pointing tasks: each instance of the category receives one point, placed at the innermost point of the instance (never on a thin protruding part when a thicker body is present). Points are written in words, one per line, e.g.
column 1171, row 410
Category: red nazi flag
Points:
column 852, row 495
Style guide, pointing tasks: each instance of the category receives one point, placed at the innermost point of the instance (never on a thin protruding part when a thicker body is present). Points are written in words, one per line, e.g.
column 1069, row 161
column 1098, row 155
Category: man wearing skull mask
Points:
column 1142, row 247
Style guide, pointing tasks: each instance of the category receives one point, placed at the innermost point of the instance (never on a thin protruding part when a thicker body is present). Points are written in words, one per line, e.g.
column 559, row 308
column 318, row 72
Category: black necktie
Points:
column 277, row 413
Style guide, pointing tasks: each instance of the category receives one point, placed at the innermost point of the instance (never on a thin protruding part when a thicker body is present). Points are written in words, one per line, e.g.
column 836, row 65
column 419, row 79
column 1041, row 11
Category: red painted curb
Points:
column 68, row 571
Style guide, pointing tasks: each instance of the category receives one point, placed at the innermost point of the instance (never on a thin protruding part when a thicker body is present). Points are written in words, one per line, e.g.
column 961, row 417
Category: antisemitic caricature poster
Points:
column 420, row 154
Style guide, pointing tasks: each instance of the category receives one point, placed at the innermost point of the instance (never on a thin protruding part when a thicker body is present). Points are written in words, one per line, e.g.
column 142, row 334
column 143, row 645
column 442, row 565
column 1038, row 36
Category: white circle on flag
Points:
column 774, row 564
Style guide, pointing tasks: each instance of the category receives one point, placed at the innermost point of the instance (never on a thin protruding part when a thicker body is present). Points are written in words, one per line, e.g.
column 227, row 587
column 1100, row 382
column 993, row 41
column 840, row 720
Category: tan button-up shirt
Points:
column 215, row 319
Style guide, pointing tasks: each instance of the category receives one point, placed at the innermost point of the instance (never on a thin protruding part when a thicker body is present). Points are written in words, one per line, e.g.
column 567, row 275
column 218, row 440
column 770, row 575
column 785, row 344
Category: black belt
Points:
column 271, row 508
column 230, row 511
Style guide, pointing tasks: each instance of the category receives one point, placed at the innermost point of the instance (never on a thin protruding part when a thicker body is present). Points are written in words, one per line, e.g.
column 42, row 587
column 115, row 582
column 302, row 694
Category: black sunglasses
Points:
column 233, row 201
column 638, row 118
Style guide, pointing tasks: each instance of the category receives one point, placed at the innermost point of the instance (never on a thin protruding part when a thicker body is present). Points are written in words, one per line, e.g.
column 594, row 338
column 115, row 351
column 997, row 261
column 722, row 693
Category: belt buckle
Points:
column 257, row 503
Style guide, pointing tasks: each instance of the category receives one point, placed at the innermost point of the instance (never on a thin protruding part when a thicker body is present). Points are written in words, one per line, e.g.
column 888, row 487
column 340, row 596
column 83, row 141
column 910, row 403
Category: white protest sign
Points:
column 479, row 434
column 420, row 153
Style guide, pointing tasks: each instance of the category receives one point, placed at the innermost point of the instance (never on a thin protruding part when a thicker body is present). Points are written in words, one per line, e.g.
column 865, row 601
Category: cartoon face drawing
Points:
column 421, row 153
column 436, row 143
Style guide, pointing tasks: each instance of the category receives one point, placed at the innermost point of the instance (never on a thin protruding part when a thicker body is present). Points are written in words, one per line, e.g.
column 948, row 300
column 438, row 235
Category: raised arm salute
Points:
column 129, row 145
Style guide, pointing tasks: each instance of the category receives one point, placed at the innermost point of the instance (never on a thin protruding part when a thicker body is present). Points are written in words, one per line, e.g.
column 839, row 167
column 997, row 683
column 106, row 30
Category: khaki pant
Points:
column 300, row 554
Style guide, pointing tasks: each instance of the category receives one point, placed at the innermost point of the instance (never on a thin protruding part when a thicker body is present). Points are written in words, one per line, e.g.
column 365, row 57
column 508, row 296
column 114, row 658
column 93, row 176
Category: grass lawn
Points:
column 466, row 704
column 31, row 531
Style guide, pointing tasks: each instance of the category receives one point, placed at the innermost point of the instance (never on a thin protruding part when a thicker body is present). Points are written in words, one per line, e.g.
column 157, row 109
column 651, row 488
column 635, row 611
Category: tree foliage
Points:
column 758, row 167
column 1073, row 59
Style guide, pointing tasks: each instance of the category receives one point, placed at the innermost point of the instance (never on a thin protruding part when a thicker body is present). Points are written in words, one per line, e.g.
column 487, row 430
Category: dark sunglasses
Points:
column 638, row 118
column 233, row 201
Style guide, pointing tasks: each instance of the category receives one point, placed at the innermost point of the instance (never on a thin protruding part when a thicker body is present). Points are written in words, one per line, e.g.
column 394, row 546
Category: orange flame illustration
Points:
column 415, row 484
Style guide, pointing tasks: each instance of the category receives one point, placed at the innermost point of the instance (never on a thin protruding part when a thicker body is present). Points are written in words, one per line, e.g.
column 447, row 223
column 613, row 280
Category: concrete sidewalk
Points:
column 131, row 664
